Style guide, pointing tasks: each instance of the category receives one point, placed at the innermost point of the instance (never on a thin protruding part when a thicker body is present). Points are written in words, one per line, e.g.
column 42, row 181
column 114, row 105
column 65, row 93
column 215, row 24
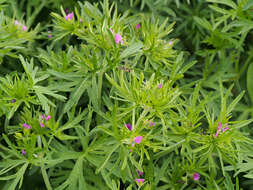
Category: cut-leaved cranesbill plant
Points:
column 104, row 96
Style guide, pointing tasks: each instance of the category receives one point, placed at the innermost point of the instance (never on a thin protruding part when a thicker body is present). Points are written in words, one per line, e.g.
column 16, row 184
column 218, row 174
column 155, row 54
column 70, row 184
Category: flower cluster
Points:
column 140, row 180
column 24, row 27
column 44, row 119
column 26, row 126
column 69, row 16
column 118, row 38
column 221, row 129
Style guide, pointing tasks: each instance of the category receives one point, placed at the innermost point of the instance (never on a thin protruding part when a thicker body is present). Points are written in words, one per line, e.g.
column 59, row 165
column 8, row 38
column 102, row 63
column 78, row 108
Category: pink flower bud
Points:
column 138, row 26
column 196, row 176
column 48, row 117
column 23, row 152
column 24, row 28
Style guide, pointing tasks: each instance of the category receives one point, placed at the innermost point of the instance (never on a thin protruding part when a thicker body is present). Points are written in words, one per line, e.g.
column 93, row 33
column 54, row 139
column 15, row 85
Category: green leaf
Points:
column 203, row 22
column 76, row 94
column 19, row 177
column 131, row 50
column 229, row 3
column 250, row 81
column 248, row 5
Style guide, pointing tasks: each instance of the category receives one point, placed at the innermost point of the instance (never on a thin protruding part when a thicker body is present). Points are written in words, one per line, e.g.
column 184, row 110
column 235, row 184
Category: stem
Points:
column 45, row 177
column 100, row 83
column 143, row 114
column 99, row 95
column 39, row 141
column 133, row 116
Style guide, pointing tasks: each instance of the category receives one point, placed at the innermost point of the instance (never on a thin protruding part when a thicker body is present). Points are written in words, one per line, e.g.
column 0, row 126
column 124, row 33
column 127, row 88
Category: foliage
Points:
column 126, row 94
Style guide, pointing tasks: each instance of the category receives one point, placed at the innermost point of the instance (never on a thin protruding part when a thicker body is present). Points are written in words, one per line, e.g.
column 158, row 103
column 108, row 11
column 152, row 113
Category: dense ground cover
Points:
column 145, row 94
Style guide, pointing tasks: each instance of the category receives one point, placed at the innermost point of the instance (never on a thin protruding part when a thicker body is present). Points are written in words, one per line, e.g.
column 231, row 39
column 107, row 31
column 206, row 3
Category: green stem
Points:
column 100, row 83
column 45, row 177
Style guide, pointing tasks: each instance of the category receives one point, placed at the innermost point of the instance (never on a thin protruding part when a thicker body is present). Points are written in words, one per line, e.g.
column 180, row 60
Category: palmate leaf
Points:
column 76, row 179
column 77, row 93
column 41, row 91
column 229, row 3
column 7, row 166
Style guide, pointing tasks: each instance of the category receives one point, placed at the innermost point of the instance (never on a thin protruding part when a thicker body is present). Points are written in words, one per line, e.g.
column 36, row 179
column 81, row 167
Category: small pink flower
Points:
column 221, row 129
column 151, row 123
column 170, row 43
column 24, row 28
column 218, row 130
column 138, row 139
column 23, row 152
column 129, row 126
column 140, row 173
column 140, row 181
column 225, row 129
column 69, row 16
column 118, row 39
column 132, row 144
column 16, row 22
column 27, row 126
column 48, row 117
column 138, row 26
column 81, row 20
column 160, row 85
column 50, row 34
column 196, row 176
column 42, row 116
column 112, row 31
column 42, row 125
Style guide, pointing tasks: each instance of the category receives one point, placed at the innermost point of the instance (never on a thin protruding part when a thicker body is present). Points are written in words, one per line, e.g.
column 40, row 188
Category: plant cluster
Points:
column 146, row 94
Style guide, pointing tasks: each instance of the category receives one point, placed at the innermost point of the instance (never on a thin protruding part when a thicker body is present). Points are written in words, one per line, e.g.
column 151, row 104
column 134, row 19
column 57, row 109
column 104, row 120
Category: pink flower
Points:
column 138, row 26
column 221, row 129
column 218, row 130
column 225, row 129
column 112, row 31
column 42, row 116
column 24, row 28
column 138, row 139
column 151, row 123
column 140, row 181
column 140, row 173
column 160, row 85
column 16, row 22
column 69, row 16
column 48, row 117
column 170, row 43
column 118, row 39
column 27, row 126
column 196, row 176
column 129, row 126
column 23, row 152
column 50, row 34
column 42, row 125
